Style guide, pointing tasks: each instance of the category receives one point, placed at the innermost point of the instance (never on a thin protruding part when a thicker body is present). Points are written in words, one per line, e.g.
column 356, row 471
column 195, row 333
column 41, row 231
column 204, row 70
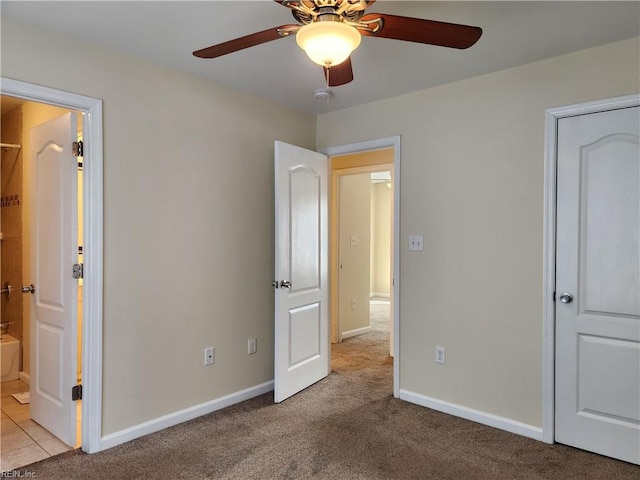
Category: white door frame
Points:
column 552, row 116
column 92, row 252
column 389, row 142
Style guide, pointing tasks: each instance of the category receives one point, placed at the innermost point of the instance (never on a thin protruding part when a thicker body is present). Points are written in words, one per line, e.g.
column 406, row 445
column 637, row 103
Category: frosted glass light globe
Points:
column 328, row 43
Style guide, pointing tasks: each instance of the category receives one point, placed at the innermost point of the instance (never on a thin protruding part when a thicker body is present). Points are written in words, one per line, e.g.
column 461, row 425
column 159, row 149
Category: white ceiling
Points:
column 167, row 32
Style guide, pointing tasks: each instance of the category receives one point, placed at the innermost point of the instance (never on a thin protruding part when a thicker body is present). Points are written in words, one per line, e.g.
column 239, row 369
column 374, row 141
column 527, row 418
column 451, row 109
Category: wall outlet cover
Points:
column 209, row 355
column 252, row 346
column 441, row 355
column 416, row 243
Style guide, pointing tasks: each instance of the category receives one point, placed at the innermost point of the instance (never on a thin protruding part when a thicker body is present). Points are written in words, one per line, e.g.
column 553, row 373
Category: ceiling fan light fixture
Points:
column 328, row 43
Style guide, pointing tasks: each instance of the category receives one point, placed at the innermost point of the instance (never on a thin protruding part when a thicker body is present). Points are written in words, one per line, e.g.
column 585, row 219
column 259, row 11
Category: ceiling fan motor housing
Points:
column 329, row 10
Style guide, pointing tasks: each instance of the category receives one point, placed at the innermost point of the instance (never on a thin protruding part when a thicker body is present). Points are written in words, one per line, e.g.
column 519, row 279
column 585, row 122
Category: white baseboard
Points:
column 166, row 421
column 356, row 332
column 478, row 416
column 25, row 377
column 383, row 295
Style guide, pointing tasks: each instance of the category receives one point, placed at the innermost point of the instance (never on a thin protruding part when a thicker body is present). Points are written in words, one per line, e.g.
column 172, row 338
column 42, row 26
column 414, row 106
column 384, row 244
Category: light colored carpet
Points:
column 346, row 427
column 379, row 315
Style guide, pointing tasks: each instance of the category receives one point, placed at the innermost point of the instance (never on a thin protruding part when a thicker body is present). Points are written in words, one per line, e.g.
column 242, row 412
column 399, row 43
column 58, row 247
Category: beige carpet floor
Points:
column 348, row 426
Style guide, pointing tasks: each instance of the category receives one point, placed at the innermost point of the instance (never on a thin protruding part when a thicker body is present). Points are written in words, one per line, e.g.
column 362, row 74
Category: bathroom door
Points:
column 302, row 350
column 54, row 250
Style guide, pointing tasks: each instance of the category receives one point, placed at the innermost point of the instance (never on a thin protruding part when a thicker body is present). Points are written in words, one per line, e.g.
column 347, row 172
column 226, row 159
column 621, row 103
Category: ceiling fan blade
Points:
column 246, row 41
column 423, row 31
column 340, row 74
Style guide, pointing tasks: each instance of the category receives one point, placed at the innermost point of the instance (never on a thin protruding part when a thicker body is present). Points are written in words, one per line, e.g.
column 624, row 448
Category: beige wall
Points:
column 472, row 184
column 380, row 239
column 353, row 278
column 188, row 222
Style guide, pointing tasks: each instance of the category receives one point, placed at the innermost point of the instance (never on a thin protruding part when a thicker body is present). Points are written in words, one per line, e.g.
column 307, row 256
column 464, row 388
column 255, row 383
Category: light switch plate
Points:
column 416, row 243
column 354, row 240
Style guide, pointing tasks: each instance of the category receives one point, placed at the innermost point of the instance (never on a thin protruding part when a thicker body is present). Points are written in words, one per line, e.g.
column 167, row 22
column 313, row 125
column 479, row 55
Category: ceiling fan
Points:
column 329, row 30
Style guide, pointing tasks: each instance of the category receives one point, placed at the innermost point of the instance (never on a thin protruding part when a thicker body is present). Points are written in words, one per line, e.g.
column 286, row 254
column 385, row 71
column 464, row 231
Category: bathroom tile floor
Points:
column 23, row 441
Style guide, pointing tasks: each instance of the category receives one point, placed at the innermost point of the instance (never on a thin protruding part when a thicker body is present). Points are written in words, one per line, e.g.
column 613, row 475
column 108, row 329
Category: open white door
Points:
column 301, row 270
column 54, row 242
column 598, row 284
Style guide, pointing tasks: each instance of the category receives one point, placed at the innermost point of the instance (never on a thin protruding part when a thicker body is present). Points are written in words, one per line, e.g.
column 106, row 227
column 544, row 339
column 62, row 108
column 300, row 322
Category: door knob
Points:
column 566, row 297
column 285, row 284
column 28, row 288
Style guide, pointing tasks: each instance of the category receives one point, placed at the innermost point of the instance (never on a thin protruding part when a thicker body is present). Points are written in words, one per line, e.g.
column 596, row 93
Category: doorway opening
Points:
column 361, row 241
column 29, row 441
column 375, row 165
column 91, row 221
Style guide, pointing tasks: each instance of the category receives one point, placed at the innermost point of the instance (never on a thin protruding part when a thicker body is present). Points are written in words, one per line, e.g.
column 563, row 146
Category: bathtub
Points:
column 9, row 357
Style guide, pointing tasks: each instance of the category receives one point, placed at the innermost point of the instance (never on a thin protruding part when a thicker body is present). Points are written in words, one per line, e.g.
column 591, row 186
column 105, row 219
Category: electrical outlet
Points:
column 209, row 355
column 441, row 355
column 416, row 243
column 353, row 304
column 252, row 346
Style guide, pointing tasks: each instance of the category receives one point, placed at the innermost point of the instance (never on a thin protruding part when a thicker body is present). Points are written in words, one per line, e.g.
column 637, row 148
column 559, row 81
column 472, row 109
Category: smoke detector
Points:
column 322, row 94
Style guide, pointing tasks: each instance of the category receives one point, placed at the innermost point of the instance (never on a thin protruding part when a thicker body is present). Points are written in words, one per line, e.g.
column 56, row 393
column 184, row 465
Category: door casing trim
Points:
column 552, row 116
column 388, row 142
column 93, row 245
